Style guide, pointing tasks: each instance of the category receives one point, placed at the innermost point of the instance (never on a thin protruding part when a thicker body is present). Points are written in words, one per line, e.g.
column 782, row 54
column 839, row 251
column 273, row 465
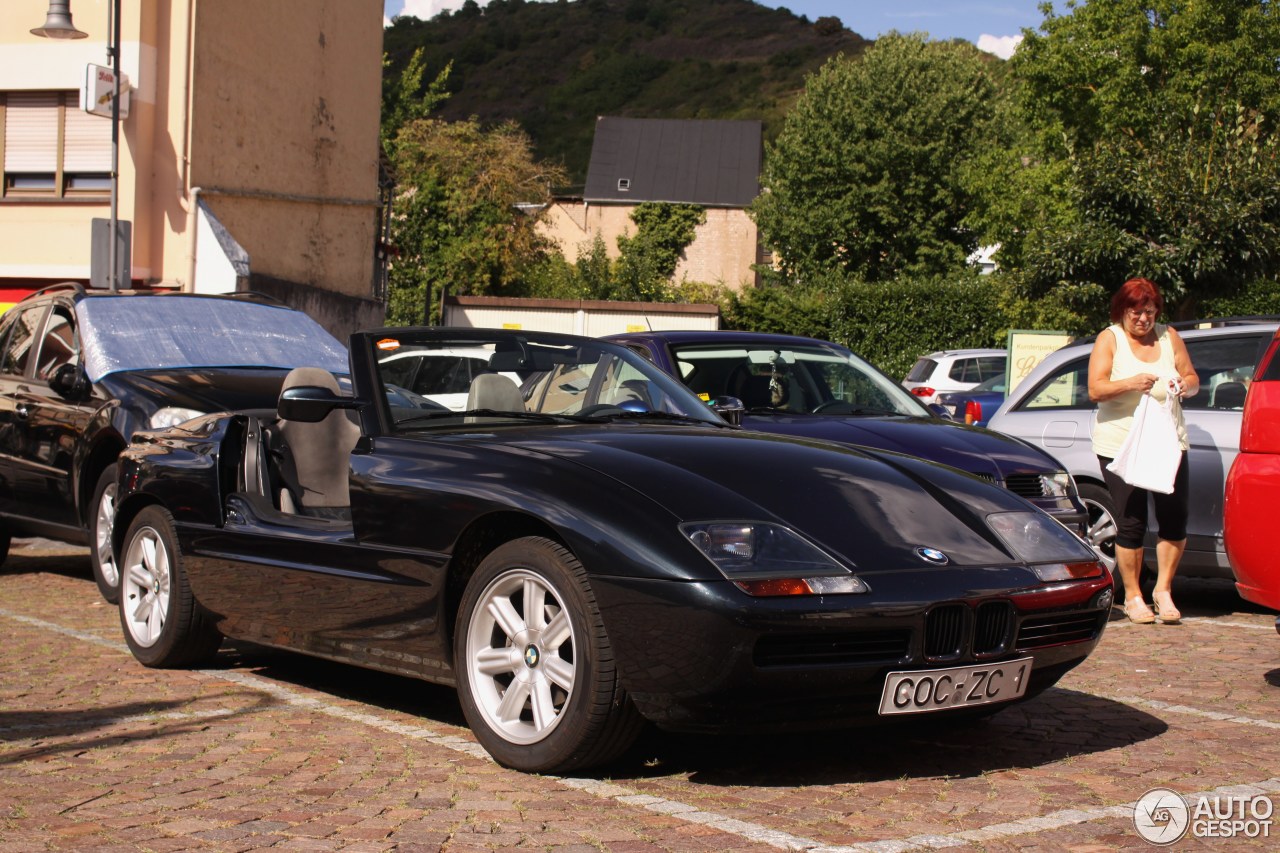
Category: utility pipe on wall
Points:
column 188, row 196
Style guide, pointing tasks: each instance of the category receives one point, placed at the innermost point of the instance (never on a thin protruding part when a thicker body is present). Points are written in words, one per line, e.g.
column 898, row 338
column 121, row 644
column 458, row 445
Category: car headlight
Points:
column 769, row 559
column 1054, row 552
column 1059, row 485
column 172, row 416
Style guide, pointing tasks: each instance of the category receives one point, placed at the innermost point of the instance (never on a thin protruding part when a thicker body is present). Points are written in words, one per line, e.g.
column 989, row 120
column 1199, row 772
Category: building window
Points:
column 51, row 148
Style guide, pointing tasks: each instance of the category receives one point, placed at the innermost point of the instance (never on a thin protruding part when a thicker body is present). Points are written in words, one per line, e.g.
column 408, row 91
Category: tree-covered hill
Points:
column 555, row 67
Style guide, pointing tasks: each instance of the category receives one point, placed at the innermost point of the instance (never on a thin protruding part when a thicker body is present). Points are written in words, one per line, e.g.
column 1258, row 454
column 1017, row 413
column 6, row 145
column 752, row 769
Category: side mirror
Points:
column 729, row 408
column 941, row 411
column 311, row 404
column 69, row 382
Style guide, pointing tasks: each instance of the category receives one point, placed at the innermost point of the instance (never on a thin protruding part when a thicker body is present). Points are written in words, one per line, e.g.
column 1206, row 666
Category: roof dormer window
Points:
column 624, row 185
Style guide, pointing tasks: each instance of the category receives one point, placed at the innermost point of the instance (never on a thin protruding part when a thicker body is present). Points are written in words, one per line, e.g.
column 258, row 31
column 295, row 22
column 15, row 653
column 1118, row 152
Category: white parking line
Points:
column 1195, row 712
column 683, row 811
column 1055, row 820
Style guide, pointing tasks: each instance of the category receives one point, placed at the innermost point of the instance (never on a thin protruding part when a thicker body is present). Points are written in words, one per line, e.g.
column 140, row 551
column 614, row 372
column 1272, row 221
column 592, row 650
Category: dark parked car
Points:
column 592, row 549
column 81, row 371
column 817, row 389
column 975, row 406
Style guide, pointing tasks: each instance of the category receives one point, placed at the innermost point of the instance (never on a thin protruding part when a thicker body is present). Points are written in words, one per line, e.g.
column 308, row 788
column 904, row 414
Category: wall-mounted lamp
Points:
column 57, row 23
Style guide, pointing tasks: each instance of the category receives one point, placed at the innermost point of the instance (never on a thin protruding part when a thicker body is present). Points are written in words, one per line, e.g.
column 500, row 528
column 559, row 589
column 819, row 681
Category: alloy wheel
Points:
column 1102, row 533
column 520, row 656
column 106, row 517
column 145, row 586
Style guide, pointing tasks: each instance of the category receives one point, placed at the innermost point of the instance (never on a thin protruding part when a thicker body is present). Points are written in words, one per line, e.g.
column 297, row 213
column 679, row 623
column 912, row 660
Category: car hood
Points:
column 974, row 449
column 202, row 389
column 987, row 398
column 875, row 508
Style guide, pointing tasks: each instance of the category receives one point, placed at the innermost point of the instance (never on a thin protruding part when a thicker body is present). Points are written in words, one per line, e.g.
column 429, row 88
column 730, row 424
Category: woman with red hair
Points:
column 1132, row 357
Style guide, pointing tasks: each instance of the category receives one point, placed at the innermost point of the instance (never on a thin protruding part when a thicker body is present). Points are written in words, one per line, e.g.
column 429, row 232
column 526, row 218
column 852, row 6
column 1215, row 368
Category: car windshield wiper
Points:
column 657, row 416
column 866, row 411
column 484, row 413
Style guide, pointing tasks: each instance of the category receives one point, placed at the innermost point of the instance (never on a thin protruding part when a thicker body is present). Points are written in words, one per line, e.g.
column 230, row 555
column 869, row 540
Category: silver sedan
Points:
column 1051, row 409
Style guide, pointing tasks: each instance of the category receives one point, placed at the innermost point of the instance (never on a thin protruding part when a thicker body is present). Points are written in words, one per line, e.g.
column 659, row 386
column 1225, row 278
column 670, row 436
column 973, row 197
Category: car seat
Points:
column 493, row 391
column 1229, row 395
column 632, row 391
column 313, row 462
column 755, row 391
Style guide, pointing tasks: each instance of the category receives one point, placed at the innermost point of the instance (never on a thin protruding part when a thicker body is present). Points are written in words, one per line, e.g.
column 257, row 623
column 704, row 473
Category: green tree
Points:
column 1150, row 149
column 864, row 177
column 404, row 98
column 1122, row 67
column 460, row 223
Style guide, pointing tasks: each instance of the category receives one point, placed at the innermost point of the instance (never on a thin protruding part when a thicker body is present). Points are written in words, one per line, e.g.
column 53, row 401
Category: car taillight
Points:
column 922, row 391
column 972, row 412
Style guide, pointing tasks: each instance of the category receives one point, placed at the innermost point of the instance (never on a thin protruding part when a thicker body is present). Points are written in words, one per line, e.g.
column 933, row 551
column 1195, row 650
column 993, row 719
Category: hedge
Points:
column 889, row 324
column 892, row 324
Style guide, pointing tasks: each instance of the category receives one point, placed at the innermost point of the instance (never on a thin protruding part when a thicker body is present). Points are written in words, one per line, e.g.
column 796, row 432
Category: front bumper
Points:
column 706, row 657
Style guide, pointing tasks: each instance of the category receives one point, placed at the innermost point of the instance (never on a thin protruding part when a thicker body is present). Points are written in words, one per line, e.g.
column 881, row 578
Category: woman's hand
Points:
column 1143, row 382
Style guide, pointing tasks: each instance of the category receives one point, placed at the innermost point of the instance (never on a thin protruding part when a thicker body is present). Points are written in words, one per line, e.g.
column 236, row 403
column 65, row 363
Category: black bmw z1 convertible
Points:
column 586, row 546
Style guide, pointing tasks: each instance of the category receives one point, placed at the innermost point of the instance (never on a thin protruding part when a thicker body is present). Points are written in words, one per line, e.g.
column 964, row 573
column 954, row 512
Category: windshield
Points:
column 133, row 332
column 995, row 384
column 465, row 376
column 793, row 378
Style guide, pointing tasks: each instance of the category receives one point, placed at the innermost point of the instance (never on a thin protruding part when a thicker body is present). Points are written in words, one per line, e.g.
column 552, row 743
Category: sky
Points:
column 993, row 25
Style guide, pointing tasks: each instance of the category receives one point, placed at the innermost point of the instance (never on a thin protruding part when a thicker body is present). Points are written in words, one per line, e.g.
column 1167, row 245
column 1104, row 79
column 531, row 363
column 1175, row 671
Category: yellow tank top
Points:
column 1115, row 416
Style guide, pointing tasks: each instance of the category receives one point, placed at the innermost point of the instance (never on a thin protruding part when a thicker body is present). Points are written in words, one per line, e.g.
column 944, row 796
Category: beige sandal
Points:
column 1138, row 611
column 1168, row 614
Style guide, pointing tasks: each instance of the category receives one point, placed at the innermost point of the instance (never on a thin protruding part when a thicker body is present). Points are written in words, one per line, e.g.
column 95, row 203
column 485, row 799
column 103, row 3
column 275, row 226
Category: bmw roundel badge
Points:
column 932, row 555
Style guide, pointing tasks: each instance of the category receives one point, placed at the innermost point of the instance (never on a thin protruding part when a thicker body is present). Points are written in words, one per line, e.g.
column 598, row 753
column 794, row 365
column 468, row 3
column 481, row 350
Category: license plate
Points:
column 922, row 690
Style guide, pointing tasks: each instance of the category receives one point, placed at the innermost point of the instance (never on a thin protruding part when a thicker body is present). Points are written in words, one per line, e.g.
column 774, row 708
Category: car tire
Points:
column 163, row 624
column 1102, row 532
column 570, row 710
column 102, row 514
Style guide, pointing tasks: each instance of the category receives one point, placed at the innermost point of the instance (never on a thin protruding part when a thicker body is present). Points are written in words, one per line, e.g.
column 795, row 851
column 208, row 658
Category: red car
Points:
column 1252, row 487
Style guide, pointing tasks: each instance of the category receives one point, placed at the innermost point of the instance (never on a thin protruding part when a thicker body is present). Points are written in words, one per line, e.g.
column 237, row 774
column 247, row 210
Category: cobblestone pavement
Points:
column 268, row 750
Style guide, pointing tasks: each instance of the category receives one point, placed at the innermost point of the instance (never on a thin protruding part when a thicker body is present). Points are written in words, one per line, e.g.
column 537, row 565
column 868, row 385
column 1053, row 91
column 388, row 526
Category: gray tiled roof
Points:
column 714, row 163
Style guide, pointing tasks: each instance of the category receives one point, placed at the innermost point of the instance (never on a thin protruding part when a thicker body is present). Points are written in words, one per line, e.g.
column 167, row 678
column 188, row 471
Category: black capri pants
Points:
column 1131, row 507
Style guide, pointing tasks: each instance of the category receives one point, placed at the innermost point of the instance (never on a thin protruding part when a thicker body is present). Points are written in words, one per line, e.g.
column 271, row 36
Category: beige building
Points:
column 715, row 164
column 248, row 156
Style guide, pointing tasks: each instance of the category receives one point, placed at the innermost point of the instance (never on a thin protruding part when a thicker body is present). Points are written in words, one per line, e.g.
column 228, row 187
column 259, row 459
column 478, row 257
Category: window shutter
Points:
column 87, row 142
column 31, row 132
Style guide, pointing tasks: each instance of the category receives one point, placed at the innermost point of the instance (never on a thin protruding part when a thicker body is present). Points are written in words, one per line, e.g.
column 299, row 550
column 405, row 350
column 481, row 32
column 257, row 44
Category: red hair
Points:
column 1133, row 294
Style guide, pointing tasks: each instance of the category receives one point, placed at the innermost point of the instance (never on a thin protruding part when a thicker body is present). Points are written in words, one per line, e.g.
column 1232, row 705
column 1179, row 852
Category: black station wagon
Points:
column 81, row 371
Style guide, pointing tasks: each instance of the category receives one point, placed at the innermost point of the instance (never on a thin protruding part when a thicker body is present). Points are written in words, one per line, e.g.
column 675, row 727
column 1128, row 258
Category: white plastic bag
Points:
column 1151, row 453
